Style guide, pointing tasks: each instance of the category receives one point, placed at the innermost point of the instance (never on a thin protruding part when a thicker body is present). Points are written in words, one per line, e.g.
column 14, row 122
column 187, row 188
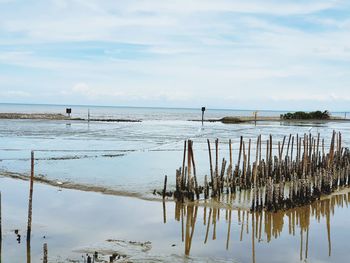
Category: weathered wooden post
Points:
column 164, row 189
column 29, row 226
column 211, row 165
column 183, row 178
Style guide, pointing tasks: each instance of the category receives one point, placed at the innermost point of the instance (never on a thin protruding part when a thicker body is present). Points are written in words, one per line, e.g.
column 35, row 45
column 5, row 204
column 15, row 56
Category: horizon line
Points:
column 159, row 107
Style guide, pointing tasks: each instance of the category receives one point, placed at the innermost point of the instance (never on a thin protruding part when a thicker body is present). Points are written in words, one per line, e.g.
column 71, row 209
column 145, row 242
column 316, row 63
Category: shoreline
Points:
column 55, row 117
column 247, row 119
column 225, row 120
column 210, row 203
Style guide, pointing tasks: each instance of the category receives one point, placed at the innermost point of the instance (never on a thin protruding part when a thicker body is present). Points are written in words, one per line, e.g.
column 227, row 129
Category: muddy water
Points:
column 75, row 223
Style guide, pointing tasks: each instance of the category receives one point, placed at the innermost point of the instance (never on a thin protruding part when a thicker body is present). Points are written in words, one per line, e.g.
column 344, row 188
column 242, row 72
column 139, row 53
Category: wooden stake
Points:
column 183, row 167
column 189, row 164
column 164, row 189
column 30, row 203
column 194, row 171
column 211, row 163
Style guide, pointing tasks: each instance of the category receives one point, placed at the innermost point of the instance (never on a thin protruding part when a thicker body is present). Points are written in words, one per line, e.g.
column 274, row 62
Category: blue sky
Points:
column 290, row 55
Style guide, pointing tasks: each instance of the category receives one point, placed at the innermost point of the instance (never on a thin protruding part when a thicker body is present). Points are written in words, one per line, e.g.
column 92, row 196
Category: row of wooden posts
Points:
column 30, row 211
column 300, row 172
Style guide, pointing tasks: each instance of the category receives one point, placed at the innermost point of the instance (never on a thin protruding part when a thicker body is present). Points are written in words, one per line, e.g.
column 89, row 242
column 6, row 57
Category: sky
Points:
column 249, row 54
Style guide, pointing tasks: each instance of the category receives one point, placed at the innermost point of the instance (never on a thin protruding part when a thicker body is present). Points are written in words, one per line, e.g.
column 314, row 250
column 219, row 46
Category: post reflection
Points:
column 263, row 226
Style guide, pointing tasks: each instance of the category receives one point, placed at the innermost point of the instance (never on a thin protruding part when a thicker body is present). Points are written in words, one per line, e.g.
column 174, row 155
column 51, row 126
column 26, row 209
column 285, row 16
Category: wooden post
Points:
column 45, row 253
column 183, row 168
column 255, row 117
column 216, row 177
column 189, row 165
column 216, row 157
column 230, row 148
column 194, row 171
column 164, row 189
column 211, row 163
column 29, row 226
column 242, row 180
column 240, row 152
column 249, row 146
column 230, row 170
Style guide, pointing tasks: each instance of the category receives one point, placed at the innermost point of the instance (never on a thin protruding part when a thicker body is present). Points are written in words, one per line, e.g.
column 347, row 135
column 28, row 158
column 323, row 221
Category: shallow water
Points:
column 130, row 157
column 74, row 223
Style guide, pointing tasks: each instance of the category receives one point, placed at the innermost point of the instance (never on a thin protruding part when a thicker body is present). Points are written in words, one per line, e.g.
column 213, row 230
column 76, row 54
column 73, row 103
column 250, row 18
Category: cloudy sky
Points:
column 248, row 54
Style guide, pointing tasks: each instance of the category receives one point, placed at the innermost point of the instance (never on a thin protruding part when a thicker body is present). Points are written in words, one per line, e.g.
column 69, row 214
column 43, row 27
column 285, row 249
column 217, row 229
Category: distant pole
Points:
column 255, row 116
column 88, row 115
column 29, row 227
column 345, row 115
column 203, row 110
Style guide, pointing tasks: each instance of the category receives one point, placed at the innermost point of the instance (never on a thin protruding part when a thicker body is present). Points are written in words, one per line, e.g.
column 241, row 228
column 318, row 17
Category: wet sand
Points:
column 75, row 223
column 226, row 120
column 56, row 116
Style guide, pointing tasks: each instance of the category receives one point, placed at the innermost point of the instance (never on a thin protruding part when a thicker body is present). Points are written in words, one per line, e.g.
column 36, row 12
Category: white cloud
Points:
column 189, row 51
column 14, row 93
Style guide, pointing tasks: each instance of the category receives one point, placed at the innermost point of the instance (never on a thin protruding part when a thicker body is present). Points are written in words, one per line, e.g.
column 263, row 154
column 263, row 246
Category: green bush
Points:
column 301, row 115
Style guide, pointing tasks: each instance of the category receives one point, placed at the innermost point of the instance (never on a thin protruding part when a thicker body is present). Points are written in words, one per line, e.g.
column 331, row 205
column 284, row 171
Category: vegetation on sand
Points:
column 301, row 115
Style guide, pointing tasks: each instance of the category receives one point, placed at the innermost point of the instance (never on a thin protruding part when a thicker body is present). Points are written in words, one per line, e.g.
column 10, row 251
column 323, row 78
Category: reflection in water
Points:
column 28, row 251
column 265, row 226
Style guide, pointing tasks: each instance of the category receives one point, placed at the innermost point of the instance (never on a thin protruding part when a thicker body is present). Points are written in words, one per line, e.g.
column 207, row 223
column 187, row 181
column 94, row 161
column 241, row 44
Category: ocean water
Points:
column 131, row 158
column 139, row 113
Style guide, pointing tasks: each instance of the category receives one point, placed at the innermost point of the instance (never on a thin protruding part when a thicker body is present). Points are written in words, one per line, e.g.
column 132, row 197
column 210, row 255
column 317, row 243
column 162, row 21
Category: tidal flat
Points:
column 94, row 193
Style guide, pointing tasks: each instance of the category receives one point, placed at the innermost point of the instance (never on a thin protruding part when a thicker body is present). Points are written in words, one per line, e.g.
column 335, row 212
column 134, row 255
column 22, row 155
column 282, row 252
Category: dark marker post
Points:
column 203, row 110
column 69, row 111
